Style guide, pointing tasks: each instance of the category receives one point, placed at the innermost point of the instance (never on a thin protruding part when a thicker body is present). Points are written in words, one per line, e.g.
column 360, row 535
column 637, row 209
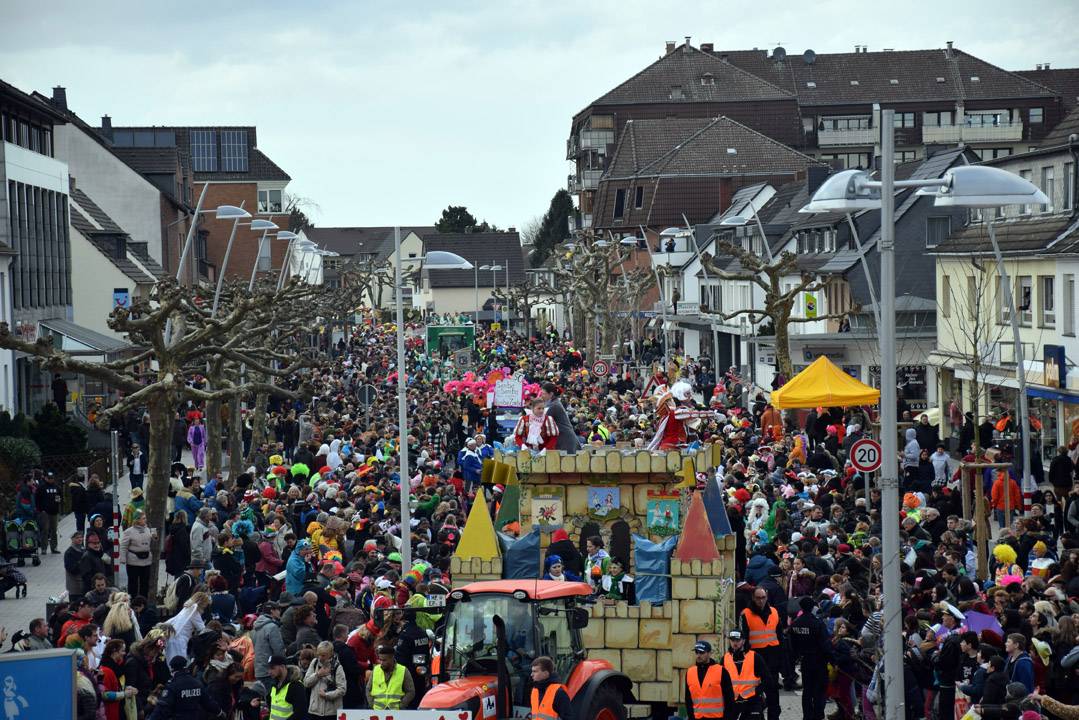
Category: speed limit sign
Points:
column 865, row 455
column 600, row 368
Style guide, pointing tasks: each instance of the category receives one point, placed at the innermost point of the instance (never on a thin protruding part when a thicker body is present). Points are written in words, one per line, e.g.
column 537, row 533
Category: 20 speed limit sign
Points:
column 865, row 455
column 600, row 368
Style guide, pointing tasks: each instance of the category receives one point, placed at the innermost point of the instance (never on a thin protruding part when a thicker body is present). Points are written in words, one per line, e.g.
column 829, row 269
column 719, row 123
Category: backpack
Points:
column 196, row 435
column 171, row 600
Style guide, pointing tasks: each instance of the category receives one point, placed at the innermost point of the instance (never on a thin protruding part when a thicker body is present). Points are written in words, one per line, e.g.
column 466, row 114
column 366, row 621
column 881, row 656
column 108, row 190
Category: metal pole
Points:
column 662, row 300
column 865, row 269
column 1020, row 367
column 402, row 412
column 116, row 465
column 191, row 231
column 285, row 264
column 255, row 265
column 889, row 480
column 224, row 266
column 476, row 292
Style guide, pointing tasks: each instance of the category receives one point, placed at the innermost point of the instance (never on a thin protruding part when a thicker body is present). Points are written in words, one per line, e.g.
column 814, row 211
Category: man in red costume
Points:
column 672, row 411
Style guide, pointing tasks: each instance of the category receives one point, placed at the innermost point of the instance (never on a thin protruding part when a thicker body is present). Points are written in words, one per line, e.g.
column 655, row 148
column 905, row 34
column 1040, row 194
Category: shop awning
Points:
column 79, row 338
column 824, row 384
column 1052, row 394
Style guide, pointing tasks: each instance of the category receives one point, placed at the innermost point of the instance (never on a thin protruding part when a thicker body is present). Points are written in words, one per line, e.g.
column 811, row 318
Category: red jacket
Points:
column 997, row 496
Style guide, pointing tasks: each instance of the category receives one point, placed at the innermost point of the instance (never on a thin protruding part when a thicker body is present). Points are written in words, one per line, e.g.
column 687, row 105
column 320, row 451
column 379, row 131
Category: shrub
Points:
column 55, row 434
column 17, row 455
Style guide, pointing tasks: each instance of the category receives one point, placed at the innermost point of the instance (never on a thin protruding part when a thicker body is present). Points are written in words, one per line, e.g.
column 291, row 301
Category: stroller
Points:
column 21, row 538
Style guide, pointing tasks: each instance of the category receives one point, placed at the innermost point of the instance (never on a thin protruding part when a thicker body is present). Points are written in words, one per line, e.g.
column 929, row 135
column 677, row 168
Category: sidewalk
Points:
column 47, row 580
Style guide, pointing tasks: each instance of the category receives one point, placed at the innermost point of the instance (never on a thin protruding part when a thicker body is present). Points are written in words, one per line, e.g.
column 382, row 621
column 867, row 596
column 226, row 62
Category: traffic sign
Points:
column 600, row 368
column 865, row 455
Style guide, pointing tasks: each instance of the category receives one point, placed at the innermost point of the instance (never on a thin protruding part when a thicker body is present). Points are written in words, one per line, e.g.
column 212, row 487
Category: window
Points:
column 849, row 161
column 945, row 296
column 1037, row 115
column 620, row 202
column 204, row 150
column 1069, row 305
column 937, row 230
column 854, row 82
column 677, row 93
column 1048, row 187
column 992, row 153
column 1047, row 301
column 264, row 258
column 987, row 118
column 1026, row 175
column 143, row 138
column 708, row 79
column 1066, row 198
column 972, row 296
column 270, row 201
column 903, row 120
column 234, row 150
column 937, row 119
column 902, row 156
column 1025, row 301
column 845, row 122
column 638, row 197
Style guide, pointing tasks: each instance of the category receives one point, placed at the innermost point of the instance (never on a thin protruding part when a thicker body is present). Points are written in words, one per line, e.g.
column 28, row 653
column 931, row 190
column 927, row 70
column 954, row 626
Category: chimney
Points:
column 815, row 177
column 685, row 48
column 71, row 183
column 106, row 126
column 707, row 47
column 948, row 49
column 725, row 58
column 511, row 229
column 670, row 46
column 59, row 97
column 1045, row 66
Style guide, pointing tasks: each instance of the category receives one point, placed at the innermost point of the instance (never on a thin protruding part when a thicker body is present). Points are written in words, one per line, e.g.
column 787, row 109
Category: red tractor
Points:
column 493, row 631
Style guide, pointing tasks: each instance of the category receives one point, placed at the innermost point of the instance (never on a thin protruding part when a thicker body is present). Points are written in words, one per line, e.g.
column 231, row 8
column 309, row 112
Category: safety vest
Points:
column 707, row 697
column 761, row 634
column 745, row 683
column 545, row 710
column 280, row 708
column 387, row 695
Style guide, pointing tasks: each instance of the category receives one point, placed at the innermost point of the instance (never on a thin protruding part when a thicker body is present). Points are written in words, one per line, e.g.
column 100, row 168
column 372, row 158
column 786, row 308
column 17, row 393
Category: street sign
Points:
column 865, row 455
column 366, row 394
column 600, row 368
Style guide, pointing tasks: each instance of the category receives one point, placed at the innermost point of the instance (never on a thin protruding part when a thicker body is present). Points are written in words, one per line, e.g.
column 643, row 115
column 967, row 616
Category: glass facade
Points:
column 41, row 273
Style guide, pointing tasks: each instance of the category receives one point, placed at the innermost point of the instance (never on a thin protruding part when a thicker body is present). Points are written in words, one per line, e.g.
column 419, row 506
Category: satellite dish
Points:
column 779, row 54
column 809, row 57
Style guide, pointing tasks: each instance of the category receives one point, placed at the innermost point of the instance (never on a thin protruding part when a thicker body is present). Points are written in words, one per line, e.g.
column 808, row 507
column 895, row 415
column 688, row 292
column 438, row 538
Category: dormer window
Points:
column 854, row 82
column 708, row 79
column 893, row 81
column 975, row 78
column 677, row 93
column 811, row 84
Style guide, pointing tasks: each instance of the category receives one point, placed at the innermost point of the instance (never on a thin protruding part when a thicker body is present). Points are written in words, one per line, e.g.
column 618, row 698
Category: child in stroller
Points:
column 10, row 578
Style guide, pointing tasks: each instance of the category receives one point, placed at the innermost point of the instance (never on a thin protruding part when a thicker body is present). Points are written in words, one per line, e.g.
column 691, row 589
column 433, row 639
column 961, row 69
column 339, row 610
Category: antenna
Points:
column 779, row 54
column 809, row 57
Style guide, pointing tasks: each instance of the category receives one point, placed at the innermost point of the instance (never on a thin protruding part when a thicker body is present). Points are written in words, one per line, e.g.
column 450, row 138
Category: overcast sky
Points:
column 385, row 113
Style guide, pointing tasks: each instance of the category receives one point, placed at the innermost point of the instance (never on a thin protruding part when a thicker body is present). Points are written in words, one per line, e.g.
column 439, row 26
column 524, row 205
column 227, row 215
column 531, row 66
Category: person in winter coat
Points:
column 1061, row 471
column 567, row 436
column 997, row 498
column 911, row 451
column 196, row 439
column 266, row 636
column 136, row 552
column 202, row 541
column 177, row 546
column 186, row 624
column 80, row 505
column 564, row 548
column 297, row 567
column 326, row 684
column 758, row 568
column 269, row 562
column 185, row 697
column 114, row 691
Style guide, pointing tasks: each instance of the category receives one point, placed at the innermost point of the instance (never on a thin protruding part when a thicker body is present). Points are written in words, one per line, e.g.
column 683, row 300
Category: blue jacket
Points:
column 471, row 466
column 295, row 574
column 757, row 569
column 189, row 504
column 1022, row 670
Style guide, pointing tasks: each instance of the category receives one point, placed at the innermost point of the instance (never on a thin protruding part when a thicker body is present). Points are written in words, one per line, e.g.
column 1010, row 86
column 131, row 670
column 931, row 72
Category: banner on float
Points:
column 26, row 696
column 404, row 715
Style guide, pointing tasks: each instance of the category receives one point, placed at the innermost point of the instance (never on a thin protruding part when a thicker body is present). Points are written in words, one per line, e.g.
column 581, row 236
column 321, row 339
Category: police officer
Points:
column 749, row 676
column 185, row 697
column 762, row 625
column 708, row 686
column 414, row 653
column 810, row 642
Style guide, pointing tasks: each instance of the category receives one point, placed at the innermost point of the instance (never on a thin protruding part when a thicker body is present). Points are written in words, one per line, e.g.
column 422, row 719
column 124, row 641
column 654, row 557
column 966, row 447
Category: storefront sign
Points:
column 121, row 298
column 1055, row 367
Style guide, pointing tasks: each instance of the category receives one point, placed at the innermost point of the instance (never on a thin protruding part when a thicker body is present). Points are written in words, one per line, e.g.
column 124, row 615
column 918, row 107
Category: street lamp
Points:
column 434, row 260
column 280, row 235
column 257, row 224
column 853, row 190
column 295, row 247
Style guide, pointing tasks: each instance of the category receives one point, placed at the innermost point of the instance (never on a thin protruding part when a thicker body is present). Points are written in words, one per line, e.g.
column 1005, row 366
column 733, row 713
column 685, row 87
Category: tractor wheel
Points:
column 606, row 705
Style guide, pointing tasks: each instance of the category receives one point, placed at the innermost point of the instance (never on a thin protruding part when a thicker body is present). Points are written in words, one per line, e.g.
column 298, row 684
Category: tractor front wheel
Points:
column 606, row 705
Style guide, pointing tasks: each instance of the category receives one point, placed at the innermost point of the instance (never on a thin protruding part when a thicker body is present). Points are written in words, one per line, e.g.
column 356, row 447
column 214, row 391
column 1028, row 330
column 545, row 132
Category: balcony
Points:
column 573, row 184
column 1011, row 131
column 596, row 139
column 684, row 309
column 584, row 180
column 572, row 148
column 859, row 136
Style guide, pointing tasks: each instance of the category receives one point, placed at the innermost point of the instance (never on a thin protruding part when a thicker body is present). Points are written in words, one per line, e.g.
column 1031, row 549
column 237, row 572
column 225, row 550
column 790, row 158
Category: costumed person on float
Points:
column 674, row 408
column 536, row 429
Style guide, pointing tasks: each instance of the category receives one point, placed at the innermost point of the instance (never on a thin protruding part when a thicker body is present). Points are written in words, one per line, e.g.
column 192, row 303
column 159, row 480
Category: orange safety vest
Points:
column 707, row 698
column 545, row 710
column 761, row 634
column 745, row 683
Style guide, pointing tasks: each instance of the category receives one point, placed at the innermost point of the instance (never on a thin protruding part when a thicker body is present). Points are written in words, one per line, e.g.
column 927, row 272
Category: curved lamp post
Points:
column 257, row 224
column 280, row 235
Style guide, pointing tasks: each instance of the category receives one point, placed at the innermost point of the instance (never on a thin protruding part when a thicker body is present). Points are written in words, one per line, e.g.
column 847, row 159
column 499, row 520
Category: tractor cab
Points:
column 492, row 633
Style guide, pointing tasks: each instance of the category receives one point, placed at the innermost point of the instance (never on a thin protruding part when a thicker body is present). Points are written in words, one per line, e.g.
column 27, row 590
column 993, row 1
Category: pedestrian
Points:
column 179, row 437
column 196, row 440
column 59, row 393
column 761, row 624
column 72, row 566
column 809, row 642
column 136, row 554
column 186, row 624
column 202, row 541
column 326, row 684
column 288, row 699
column 185, row 697
column 747, row 673
column 78, row 499
column 708, row 691
column 136, row 466
column 550, row 701
column 267, row 641
column 94, row 561
column 49, row 500
column 390, row 686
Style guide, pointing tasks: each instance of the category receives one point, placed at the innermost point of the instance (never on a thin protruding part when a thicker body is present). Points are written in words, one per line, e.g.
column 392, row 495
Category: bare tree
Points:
column 372, row 276
column 769, row 274
column 522, row 298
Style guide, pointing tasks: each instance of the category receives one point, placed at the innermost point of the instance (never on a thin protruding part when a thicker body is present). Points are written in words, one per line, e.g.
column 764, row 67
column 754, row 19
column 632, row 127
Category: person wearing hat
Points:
column 809, row 642
column 763, row 626
column 389, row 686
column 298, row 567
column 266, row 640
column 72, row 572
column 748, row 674
column 287, row 696
column 185, row 697
column 708, row 689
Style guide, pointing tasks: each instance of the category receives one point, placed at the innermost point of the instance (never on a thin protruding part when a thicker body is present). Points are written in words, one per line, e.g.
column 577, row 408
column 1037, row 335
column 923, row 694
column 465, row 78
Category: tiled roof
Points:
column 677, row 77
column 351, row 241
column 99, row 230
column 150, row 161
column 1064, row 80
column 143, row 256
column 699, row 146
column 1066, row 127
column 260, row 167
column 915, row 73
column 1013, row 235
column 489, row 248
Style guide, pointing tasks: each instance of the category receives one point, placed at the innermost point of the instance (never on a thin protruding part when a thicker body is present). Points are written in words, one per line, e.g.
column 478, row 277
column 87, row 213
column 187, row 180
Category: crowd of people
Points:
column 287, row 593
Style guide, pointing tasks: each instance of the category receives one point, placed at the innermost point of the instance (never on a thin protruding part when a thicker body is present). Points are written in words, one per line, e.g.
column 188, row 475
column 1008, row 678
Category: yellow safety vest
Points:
column 280, row 709
column 387, row 696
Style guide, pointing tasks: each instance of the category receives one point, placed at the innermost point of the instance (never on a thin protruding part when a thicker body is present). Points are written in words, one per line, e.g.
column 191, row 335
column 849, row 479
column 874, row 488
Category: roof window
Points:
column 811, row 84
column 677, row 93
column 975, row 78
column 732, row 151
column 940, row 79
column 854, row 82
column 708, row 79
column 893, row 81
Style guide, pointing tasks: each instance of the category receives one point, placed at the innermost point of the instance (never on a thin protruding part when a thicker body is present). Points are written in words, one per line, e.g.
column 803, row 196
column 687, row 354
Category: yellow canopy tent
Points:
column 822, row 384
